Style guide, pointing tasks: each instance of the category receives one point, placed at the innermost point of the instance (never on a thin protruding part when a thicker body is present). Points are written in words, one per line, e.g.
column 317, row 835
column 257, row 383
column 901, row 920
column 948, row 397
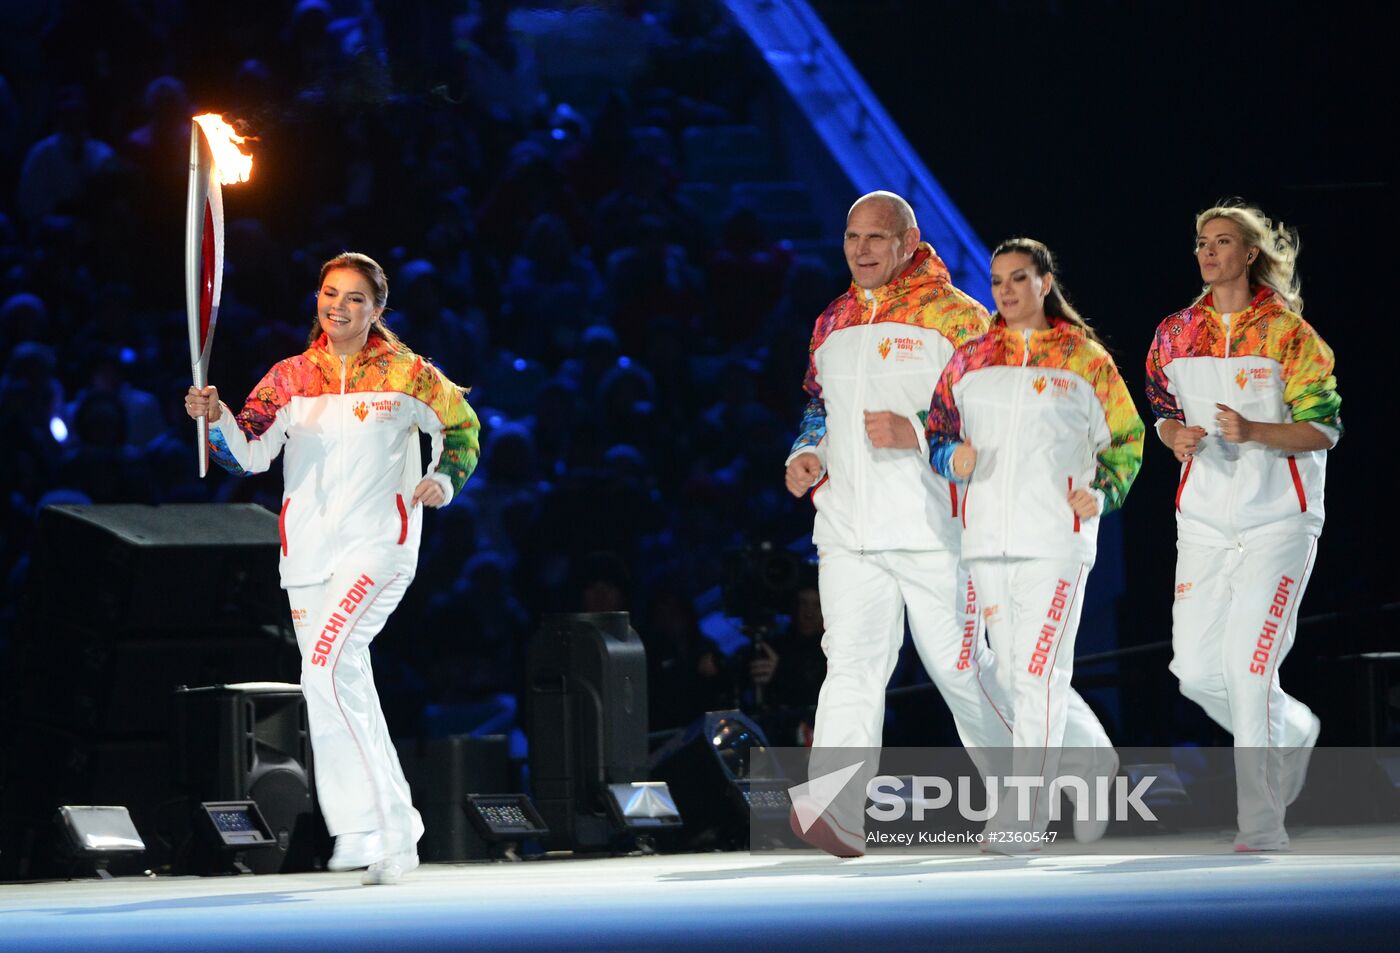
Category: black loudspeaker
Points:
column 587, row 722
column 441, row 773
column 250, row 742
column 156, row 569
column 122, row 605
column 125, row 603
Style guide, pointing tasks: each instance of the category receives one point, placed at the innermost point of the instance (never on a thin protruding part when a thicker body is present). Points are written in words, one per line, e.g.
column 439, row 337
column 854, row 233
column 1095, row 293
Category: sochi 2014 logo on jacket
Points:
column 903, row 349
column 384, row 408
column 1058, row 386
column 1248, row 374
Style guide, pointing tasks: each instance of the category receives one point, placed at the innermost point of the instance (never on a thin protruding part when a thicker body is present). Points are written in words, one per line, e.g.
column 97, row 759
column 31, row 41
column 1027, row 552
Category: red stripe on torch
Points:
column 206, row 277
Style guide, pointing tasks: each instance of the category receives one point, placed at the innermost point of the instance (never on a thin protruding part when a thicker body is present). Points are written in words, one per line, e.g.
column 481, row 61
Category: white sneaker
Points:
column 1093, row 827
column 1295, row 764
column 390, row 870
column 356, row 849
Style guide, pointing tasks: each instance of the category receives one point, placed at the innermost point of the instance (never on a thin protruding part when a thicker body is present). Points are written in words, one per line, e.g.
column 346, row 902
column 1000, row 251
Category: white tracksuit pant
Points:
column 864, row 600
column 359, row 783
column 1032, row 608
column 1233, row 623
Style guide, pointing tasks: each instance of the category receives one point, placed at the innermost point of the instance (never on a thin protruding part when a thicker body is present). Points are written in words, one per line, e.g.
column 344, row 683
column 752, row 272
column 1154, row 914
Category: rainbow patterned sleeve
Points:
column 1159, row 396
column 943, row 425
column 461, row 429
column 1309, row 385
column 259, row 412
column 1120, row 461
column 813, row 426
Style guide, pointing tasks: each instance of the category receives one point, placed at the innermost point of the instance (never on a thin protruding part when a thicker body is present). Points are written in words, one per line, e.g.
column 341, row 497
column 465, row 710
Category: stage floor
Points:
column 1202, row 897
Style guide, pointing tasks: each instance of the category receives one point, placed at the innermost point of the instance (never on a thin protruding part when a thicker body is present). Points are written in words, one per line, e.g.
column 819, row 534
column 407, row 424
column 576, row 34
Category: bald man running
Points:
column 887, row 527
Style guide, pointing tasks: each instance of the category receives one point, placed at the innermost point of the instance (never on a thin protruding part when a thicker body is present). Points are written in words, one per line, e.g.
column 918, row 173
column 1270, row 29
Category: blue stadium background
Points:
column 590, row 216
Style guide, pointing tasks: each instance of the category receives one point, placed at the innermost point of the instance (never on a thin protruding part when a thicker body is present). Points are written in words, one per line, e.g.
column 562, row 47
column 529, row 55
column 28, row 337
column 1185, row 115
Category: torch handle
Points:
column 201, row 425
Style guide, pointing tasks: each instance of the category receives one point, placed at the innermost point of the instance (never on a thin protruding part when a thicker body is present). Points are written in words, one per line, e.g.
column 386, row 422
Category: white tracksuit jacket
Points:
column 873, row 350
column 350, row 432
column 1047, row 412
column 1270, row 365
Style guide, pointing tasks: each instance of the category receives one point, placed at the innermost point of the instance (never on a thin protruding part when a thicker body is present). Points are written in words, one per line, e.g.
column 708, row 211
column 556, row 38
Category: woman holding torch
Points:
column 348, row 411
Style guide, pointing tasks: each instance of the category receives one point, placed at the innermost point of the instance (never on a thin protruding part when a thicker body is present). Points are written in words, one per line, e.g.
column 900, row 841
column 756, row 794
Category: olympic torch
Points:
column 215, row 160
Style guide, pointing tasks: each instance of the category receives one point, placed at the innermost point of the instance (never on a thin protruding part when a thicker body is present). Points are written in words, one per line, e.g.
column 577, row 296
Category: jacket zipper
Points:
column 1230, row 506
column 1007, row 482
column 858, row 423
column 340, row 451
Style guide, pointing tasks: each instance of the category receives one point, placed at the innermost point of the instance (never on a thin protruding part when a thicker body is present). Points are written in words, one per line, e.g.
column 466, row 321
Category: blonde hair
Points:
column 1276, row 265
column 372, row 272
column 1043, row 260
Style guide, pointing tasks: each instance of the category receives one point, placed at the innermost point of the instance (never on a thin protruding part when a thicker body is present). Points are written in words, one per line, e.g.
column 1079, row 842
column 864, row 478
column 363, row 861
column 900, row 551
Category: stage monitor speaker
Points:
column 250, row 742
column 587, row 722
column 441, row 773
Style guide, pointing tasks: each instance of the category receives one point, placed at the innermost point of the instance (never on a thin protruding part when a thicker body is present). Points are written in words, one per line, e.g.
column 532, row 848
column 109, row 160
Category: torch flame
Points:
column 230, row 162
